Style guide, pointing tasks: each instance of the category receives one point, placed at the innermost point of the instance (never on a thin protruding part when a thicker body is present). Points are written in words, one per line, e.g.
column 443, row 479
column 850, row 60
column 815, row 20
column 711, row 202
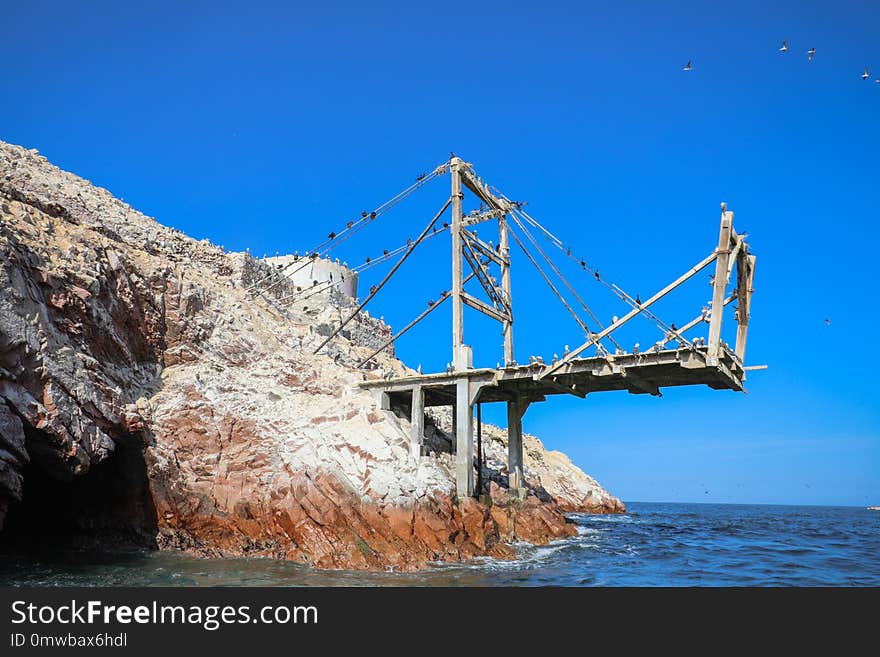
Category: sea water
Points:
column 653, row 544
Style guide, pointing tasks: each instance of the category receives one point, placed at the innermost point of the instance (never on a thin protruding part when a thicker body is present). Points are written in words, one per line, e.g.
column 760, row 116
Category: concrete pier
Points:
column 520, row 386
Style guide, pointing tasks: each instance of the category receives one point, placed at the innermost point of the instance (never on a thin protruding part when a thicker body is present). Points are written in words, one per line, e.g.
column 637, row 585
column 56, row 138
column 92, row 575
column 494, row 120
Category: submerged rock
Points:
column 147, row 394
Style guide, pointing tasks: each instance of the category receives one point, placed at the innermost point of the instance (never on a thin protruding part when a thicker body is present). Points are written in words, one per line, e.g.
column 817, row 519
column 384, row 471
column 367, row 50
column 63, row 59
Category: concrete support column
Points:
column 383, row 401
column 454, row 427
column 464, row 440
column 417, row 420
column 515, row 411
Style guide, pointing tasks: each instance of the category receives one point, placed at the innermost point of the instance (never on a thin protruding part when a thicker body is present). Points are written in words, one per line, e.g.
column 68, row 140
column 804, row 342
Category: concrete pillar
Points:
column 454, row 427
column 383, row 401
column 464, row 440
column 515, row 410
column 417, row 420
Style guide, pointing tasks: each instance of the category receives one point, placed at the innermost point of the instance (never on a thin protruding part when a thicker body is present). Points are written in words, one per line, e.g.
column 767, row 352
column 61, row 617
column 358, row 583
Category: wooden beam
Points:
column 479, row 217
column 484, row 308
column 504, row 250
column 480, row 189
column 455, row 166
column 483, row 277
column 568, row 390
column 632, row 313
column 720, row 283
column 696, row 320
column 482, row 247
column 745, row 274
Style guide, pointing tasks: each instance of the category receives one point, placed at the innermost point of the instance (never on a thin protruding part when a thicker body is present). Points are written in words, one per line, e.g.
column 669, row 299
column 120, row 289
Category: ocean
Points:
column 654, row 544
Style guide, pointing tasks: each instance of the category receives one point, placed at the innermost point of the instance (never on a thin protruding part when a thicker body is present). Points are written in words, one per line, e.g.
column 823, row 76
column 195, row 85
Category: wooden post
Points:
column 417, row 420
column 457, row 283
column 504, row 249
column 745, row 274
column 515, row 411
column 720, row 284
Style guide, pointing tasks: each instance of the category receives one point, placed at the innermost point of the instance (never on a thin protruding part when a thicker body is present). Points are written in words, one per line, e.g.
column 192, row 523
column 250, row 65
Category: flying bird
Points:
column 866, row 74
column 784, row 47
column 828, row 321
column 810, row 54
column 688, row 67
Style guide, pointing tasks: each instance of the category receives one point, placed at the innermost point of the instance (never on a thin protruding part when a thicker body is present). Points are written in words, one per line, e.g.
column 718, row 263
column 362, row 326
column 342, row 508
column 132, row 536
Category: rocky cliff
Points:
column 147, row 395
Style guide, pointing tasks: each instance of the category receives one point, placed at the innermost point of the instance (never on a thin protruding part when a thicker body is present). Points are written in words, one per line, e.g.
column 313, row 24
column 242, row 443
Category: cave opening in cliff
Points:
column 110, row 505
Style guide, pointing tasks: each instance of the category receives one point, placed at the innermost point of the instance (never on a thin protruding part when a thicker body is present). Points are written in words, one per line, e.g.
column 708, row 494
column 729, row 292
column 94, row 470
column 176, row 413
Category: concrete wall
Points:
column 303, row 272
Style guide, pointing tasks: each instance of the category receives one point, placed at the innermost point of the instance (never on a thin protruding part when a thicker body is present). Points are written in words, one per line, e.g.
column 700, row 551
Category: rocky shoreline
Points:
column 146, row 393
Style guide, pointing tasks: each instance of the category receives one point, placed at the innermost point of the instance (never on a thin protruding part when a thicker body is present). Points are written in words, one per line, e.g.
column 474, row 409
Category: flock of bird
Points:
column 866, row 74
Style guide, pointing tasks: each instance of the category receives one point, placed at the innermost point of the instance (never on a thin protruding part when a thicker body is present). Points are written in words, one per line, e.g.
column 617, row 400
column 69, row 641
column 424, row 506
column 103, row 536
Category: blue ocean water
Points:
column 652, row 545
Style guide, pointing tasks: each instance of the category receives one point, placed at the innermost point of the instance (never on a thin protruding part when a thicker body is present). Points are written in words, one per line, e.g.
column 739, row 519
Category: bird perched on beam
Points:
column 638, row 300
column 331, row 235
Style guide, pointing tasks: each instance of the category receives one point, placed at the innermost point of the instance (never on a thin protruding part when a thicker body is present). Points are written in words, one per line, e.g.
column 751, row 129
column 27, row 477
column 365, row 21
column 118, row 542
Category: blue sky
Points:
column 264, row 125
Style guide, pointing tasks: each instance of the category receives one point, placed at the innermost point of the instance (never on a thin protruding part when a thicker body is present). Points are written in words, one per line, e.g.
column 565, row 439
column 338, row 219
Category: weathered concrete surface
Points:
column 125, row 344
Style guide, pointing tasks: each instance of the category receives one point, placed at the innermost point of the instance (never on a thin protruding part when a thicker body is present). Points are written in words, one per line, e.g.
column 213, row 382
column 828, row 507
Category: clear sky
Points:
column 264, row 125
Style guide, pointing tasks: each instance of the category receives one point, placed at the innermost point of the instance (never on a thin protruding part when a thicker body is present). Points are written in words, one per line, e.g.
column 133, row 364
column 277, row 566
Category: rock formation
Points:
column 149, row 392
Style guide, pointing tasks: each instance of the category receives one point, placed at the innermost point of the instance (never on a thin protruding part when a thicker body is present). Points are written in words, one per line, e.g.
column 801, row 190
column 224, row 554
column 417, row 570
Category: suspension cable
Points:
column 548, row 281
column 613, row 287
column 352, row 227
column 562, row 277
column 307, row 292
column 376, row 288
column 431, row 308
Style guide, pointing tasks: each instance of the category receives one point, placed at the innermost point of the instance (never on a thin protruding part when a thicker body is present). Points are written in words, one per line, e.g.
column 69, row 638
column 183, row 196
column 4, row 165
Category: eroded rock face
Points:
column 125, row 344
